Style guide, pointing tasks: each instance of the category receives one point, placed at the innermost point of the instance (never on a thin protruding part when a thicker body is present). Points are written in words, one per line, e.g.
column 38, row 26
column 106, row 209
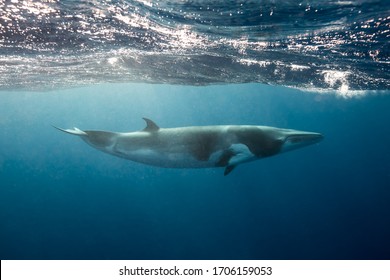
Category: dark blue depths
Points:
column 60, row 199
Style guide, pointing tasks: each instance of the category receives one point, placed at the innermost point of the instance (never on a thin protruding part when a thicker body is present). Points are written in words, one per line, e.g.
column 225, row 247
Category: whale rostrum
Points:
column 197, row 146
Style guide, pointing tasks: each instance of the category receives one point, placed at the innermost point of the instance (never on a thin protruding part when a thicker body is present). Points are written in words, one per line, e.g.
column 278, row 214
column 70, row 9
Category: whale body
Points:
column 197, row 146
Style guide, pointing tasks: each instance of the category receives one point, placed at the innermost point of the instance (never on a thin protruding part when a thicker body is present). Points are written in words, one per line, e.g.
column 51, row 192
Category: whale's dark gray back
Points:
column 203, row 142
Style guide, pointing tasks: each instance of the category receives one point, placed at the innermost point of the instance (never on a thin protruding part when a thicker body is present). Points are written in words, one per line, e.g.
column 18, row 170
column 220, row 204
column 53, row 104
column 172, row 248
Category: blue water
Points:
column 61, row 199
column 318, row 66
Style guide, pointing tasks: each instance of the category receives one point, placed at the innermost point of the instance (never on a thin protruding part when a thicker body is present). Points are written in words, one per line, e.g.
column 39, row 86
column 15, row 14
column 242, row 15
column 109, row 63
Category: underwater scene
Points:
column 194, row 130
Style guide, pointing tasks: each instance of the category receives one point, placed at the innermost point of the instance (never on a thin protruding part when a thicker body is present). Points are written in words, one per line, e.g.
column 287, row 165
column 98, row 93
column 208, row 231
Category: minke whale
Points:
column 197, row 146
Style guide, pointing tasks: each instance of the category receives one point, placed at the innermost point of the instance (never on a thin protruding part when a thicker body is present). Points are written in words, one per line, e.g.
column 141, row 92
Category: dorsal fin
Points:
column 150, row 126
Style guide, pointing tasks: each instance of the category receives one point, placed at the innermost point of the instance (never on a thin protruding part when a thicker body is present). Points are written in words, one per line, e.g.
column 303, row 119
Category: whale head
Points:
column 295, row 139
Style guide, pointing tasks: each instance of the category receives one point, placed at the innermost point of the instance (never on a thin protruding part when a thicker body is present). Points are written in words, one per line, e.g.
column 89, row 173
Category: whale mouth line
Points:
column 299, row 140
column 305, row 138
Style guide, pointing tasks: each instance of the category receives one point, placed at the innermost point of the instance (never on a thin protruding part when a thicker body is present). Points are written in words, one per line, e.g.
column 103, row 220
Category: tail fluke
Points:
column 74, row 131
